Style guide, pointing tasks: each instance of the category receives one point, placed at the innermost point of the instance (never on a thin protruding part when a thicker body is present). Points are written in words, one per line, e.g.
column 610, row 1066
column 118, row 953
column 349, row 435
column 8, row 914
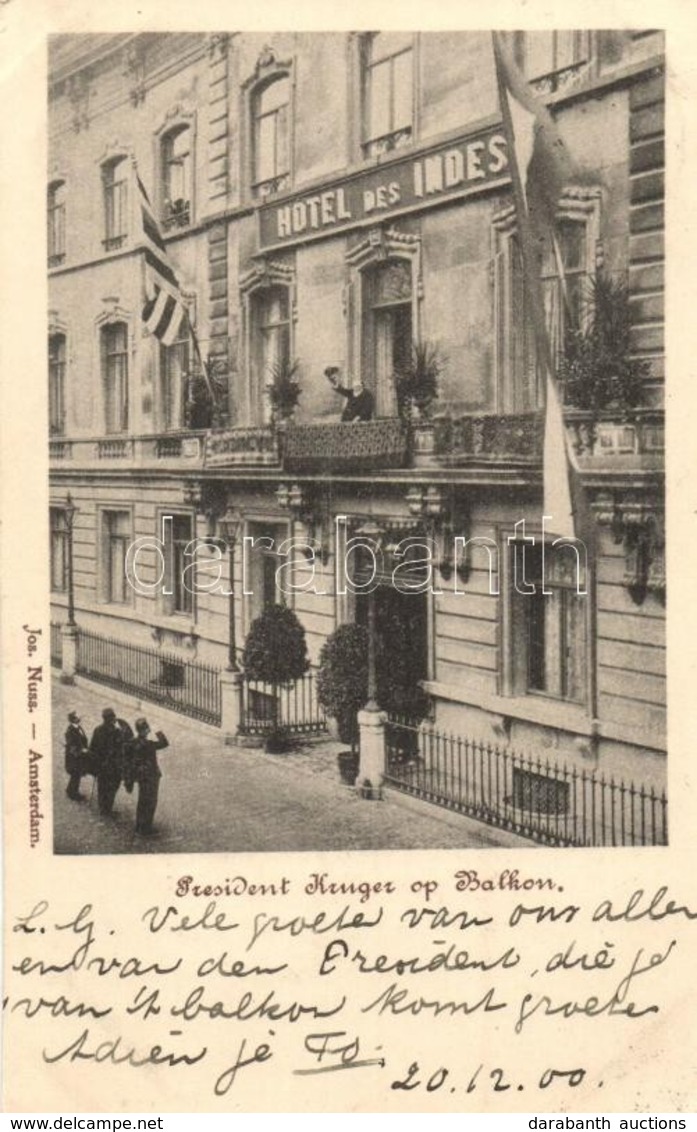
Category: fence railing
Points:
column 292, row 706
column 182, row 685
column 536, row 798
column 56, row 644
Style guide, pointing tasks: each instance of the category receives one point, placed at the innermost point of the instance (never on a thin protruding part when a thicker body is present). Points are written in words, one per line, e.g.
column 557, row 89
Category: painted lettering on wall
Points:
column 469, row 165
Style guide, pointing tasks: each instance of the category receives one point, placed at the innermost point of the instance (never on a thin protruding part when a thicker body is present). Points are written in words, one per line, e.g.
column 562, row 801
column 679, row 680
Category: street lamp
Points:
column 375, row 534
column 69, row 512
column 231, row 526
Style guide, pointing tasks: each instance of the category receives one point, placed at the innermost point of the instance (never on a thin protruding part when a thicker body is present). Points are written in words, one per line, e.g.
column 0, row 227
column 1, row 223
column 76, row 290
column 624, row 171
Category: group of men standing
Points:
column 115, row 755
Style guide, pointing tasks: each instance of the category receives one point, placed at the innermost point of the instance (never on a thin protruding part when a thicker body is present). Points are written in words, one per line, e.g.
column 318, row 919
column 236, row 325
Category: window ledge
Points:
column 535, row 709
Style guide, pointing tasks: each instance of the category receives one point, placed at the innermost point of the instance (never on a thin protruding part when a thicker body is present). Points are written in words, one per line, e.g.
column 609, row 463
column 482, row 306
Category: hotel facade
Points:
column 335, row 199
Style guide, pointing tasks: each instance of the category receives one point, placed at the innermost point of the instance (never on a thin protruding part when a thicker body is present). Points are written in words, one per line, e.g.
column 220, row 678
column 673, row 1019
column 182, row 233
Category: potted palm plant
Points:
column 596, row 371
column 342, row 689
column 416, row 381
column 283, row 388
column 275, row 653
column 416, row 386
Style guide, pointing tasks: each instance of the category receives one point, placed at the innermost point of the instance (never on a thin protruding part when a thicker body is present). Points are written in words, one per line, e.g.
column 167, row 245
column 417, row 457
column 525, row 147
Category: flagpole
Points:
column 532, row 279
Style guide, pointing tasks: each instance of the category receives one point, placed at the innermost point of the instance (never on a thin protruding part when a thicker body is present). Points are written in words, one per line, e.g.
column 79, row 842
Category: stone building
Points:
column 332, row 199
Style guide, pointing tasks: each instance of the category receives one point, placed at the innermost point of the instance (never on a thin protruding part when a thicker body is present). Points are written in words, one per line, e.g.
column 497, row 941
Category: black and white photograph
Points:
column 355, row 377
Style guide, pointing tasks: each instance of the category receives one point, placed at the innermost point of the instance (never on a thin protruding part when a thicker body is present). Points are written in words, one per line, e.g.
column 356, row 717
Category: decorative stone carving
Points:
column 134, row 71
column 218, row 45
column 78, row 91
column 637, row 522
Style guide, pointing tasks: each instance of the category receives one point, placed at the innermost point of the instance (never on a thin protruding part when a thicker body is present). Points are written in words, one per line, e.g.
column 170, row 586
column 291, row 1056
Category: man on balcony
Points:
column 360, row 403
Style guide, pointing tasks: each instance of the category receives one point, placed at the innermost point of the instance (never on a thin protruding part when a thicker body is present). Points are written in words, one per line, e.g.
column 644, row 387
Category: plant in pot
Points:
column 275, row 653
column 596, row 371
column 342, row 689
column 416, row 381
column 283, row 388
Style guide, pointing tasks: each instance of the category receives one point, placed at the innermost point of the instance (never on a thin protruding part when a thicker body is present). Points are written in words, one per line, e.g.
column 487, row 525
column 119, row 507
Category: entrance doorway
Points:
column 401, row 630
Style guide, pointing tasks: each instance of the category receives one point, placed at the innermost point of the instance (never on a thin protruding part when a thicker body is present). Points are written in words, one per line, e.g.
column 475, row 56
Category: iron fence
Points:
column 182, row 685
column 548, row 802
column 56, row 644
column 293, row 706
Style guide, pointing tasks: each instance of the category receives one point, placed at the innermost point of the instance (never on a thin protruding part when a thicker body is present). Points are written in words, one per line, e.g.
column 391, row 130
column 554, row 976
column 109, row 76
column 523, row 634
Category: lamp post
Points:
column 230, row 526
column 70, row 511
column 375, row 534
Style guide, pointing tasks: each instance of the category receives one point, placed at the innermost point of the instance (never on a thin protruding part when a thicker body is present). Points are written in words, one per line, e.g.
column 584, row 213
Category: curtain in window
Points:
column 117, row 537
column 56, row 383
column 115, row 376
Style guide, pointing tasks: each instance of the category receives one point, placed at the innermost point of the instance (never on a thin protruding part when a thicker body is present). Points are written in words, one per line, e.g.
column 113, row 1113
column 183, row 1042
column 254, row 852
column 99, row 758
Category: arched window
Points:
column 270, row 137
column 114, row 351
column 56, row 223
column 115, row 195
column 56, row 383
column 176, row 175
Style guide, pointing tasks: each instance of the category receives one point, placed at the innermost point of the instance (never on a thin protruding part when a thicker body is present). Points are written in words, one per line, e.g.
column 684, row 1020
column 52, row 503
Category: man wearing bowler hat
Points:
column 142, row 767
column 108, row 748
column 75, row 756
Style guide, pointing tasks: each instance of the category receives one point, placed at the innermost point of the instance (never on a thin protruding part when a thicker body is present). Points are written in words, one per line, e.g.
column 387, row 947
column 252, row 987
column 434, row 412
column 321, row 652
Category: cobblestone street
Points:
column 217, row 798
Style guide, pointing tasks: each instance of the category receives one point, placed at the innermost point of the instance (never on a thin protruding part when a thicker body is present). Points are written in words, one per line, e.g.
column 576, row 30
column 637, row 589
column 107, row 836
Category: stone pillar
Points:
column 231, row 704
column 69, row 645
column 373, row 763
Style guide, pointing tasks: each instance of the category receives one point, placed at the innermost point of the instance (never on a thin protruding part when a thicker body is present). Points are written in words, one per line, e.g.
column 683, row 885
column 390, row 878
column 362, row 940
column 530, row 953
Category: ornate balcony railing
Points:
column 490, row 438
column 117, row 449
column 638, row 432
column 353, row 447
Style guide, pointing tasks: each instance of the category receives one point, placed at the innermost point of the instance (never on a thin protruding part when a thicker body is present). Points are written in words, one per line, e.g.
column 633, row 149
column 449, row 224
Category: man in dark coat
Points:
column 142, row 767
column 360, row 403
column 76, row 762
column 108, row 748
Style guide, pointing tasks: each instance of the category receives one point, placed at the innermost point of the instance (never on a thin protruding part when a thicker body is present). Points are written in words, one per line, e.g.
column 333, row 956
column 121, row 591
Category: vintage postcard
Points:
column 346, row 620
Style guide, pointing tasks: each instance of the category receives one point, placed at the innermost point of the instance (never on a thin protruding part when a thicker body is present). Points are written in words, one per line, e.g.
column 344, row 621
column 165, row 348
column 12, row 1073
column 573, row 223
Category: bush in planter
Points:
column 275, row 652
column 596, row 371
column 342, row 680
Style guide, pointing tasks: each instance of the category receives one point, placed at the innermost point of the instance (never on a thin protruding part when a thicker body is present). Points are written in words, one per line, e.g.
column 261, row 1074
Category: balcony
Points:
column 190, row 450
column 636, row 436
column 242, row 447
column 358, row 446
column 491, row 438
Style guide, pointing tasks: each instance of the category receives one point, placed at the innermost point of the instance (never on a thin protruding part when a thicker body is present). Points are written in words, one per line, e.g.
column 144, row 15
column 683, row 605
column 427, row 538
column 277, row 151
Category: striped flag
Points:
column 540, row 166
column 163, row 310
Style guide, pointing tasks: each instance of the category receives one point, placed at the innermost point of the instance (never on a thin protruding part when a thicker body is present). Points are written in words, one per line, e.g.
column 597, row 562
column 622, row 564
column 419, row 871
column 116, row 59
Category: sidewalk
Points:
column 217, row 798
